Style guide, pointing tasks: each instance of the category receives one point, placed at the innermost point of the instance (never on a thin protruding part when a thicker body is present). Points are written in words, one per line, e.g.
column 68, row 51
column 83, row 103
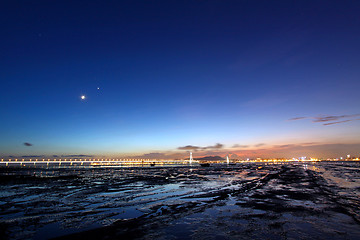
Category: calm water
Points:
column 249, row 201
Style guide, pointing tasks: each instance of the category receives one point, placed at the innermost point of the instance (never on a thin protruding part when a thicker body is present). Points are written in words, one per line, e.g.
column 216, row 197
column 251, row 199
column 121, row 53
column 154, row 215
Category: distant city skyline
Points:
column 158, row 79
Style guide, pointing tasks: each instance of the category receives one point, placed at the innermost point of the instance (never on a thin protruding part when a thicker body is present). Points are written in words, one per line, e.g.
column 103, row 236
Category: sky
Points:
column 162, row 78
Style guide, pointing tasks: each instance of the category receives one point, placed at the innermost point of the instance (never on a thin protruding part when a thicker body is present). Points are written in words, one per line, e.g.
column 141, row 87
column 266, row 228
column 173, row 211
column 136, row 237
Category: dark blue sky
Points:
column 178, row 73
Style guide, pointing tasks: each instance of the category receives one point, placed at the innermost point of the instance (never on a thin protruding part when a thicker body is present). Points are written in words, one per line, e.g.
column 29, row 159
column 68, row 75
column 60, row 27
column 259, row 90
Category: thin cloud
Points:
column 349, row 120
column 27, row 144
column 196, row 148
column 309, row 143
column 329, row 119
column 260, row 145
column 296, row 118
column 189, row 147
column 216, row 146
column 333, row 118
column 240, row 146
column 286, row 145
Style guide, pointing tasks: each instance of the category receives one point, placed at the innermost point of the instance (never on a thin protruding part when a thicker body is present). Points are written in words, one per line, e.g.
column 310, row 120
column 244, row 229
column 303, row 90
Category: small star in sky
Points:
column 83, row 97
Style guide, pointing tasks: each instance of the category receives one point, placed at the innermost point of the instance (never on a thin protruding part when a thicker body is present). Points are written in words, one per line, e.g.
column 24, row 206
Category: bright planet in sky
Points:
column 83, row 97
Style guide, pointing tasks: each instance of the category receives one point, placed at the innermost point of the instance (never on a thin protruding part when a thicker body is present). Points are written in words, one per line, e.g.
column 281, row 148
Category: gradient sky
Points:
column 261, row 78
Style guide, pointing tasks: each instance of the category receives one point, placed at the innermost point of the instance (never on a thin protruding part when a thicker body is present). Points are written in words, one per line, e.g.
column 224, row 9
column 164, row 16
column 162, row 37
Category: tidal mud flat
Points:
column 247, row 201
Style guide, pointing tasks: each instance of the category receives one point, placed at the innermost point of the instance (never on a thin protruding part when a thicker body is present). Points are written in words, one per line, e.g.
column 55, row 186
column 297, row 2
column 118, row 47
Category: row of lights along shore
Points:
column 146, row 160
column 76, row 159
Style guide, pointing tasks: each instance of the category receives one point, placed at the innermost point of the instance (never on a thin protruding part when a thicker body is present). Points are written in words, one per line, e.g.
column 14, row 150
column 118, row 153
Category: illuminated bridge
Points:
column 87, row 162
column 128, row 162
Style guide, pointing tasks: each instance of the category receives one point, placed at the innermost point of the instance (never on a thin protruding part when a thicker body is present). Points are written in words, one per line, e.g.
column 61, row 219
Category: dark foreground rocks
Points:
column 281, row 201
column 289, row 202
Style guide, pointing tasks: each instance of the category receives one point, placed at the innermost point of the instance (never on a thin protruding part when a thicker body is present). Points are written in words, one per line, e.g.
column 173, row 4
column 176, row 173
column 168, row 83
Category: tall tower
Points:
column 227, row 159
column 191, row 158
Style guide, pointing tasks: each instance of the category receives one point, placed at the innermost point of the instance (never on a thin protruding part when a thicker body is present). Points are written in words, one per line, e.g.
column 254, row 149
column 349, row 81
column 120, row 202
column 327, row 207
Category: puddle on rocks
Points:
column 250, row 201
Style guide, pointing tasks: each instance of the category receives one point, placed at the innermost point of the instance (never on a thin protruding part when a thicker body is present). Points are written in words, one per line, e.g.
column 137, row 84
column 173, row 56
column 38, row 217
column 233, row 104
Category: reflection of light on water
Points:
column 305, row 167
column 316, row 169
column 342, row 182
